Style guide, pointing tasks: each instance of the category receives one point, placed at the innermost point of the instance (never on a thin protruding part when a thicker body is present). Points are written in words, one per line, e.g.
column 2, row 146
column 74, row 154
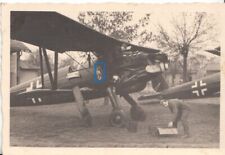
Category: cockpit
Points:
column 86, row 62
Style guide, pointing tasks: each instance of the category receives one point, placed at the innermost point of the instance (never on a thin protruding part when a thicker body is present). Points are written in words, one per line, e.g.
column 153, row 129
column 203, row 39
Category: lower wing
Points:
column 48, row 96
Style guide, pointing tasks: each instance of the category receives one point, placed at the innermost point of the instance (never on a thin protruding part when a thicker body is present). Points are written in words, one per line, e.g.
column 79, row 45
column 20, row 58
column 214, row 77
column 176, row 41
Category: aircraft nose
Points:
column 157, row 63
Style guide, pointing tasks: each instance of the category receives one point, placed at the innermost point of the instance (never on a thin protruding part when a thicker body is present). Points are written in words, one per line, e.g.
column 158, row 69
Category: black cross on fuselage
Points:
column 199, row 88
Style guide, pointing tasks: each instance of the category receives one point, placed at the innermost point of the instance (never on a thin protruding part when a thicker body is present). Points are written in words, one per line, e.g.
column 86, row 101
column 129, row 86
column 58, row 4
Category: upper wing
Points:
column 59, row 33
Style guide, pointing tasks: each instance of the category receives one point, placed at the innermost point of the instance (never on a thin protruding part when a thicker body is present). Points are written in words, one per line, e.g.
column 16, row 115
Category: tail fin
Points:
column 215, row 51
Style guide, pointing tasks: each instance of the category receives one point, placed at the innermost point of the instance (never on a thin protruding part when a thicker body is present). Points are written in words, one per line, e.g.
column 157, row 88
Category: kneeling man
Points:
column 180, row 112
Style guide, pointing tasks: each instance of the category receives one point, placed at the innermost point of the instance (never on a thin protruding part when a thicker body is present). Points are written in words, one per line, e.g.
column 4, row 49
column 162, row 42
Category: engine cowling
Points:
column 159, row 83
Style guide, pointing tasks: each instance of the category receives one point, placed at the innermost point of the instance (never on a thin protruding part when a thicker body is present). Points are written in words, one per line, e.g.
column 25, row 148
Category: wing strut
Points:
column 53, row 80
column 56, row 71
column 41, row 64
column 48, row 67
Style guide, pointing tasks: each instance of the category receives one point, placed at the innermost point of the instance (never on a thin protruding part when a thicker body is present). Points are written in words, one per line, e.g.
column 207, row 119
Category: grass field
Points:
column 59, row 126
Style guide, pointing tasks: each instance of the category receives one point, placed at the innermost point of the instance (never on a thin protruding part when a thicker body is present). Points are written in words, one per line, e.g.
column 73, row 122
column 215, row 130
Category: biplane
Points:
column 121, row 68
column 208, row 86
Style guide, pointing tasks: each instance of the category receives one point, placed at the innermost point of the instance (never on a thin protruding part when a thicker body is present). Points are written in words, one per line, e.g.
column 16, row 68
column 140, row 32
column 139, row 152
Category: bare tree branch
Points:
column 190, row 32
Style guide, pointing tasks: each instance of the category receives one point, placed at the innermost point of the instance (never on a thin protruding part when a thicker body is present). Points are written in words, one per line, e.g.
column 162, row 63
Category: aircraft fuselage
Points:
column 131, row 68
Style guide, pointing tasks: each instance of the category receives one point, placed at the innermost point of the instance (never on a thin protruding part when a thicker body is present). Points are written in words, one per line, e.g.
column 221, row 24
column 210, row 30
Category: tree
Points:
column 174, row 69
column 119, row 25
column 189, row 32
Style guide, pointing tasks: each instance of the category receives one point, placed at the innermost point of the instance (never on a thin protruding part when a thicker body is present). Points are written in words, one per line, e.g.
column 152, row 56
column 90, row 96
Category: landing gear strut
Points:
column 136, row 112
column 81, row 105
column 117, row 117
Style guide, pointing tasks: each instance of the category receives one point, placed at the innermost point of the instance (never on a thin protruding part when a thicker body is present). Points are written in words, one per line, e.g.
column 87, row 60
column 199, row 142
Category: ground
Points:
column 59, row 126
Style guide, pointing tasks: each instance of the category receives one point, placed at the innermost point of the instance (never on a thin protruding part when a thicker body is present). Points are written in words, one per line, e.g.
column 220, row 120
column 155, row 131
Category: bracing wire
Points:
column 74, row 59
column 77, row 61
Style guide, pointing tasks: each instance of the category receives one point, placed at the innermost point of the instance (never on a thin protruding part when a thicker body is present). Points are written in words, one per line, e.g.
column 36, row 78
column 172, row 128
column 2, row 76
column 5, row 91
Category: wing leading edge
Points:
column 59, row 33
column 48, row 96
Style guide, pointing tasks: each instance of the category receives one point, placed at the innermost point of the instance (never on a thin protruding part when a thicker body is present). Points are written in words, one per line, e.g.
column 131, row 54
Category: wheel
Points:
column 137, row 113
column 86, row 117
column 117, row 118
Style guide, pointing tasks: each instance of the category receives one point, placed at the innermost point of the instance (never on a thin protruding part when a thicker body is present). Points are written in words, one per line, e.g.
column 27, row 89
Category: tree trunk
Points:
column 173, row 79
column 184, row 68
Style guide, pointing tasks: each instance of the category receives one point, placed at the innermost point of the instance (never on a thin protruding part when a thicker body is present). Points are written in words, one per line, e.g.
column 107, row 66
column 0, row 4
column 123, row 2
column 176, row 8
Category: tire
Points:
column 117, row 119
